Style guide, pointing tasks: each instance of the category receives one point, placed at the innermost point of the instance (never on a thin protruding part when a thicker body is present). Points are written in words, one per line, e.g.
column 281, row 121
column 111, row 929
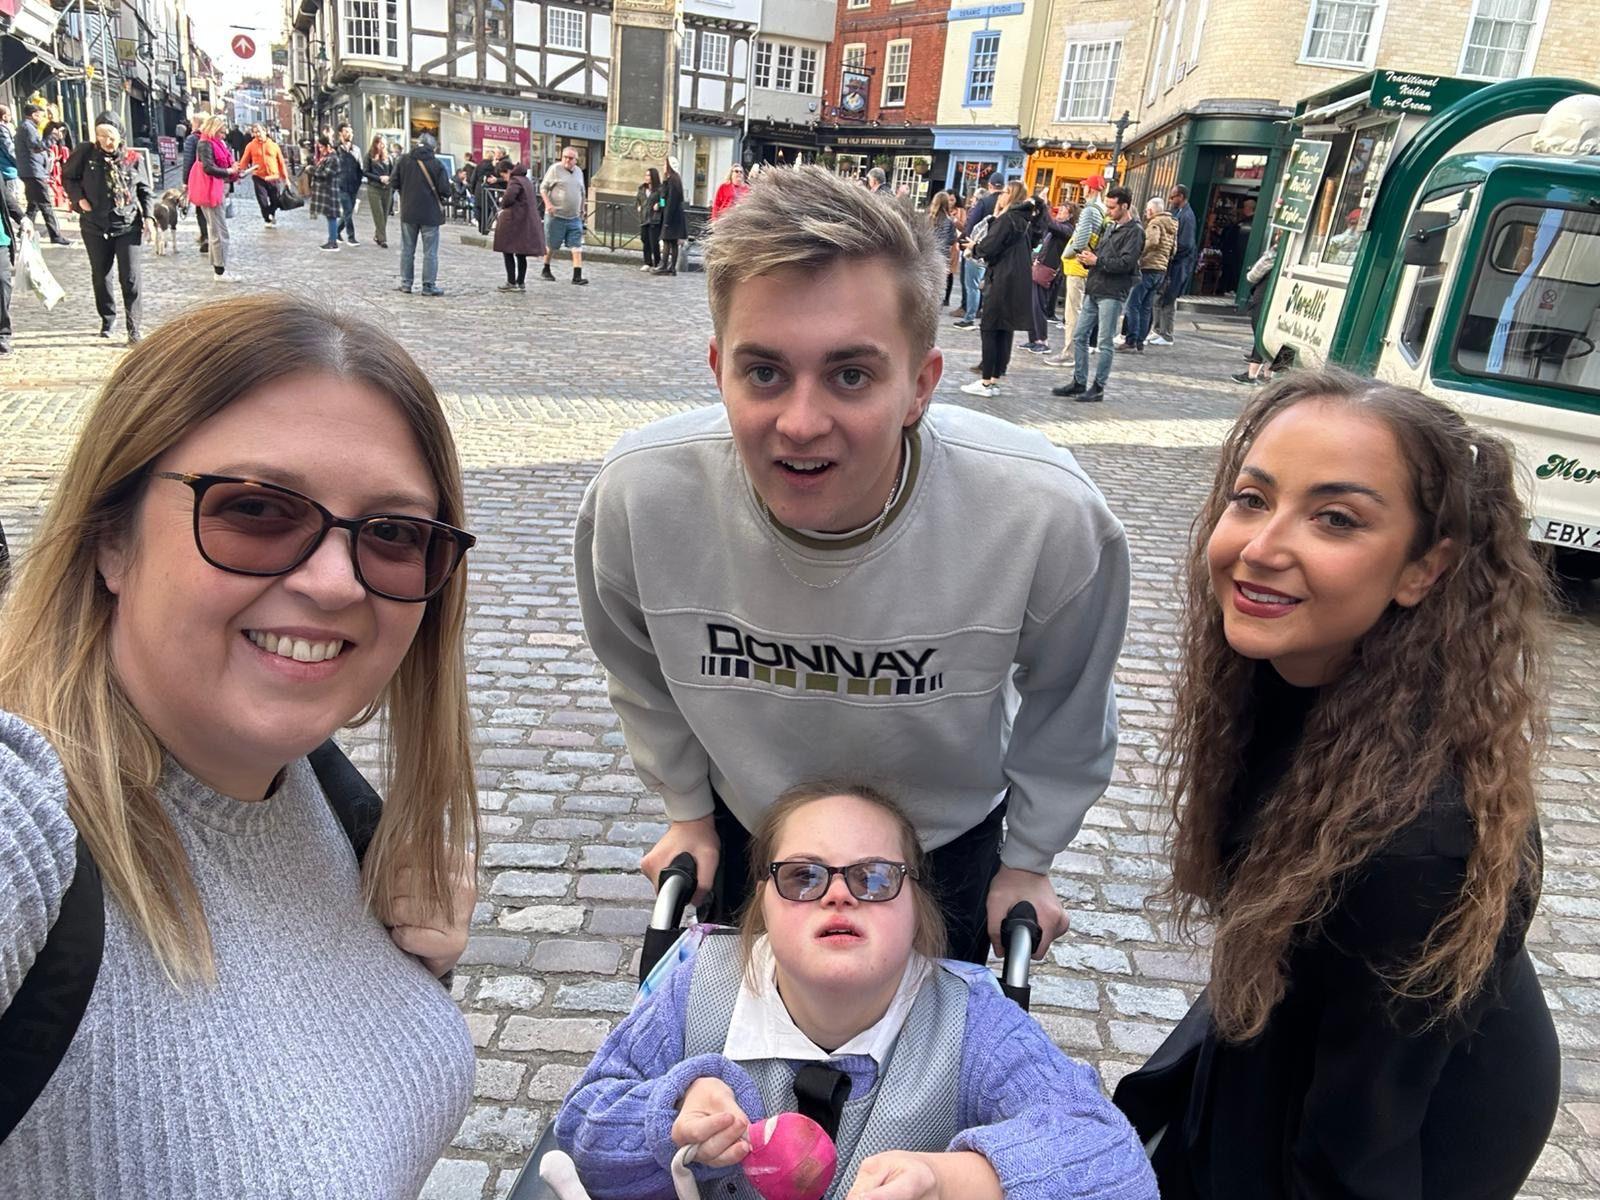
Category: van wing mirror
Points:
column 1424, row 244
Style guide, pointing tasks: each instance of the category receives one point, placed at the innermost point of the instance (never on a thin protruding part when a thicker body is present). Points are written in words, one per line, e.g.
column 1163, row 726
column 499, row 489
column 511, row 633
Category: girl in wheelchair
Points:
column 833, row 999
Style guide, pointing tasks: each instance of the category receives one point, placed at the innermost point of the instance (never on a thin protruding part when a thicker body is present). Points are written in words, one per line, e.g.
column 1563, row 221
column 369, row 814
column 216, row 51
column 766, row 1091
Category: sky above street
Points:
column 217, row 22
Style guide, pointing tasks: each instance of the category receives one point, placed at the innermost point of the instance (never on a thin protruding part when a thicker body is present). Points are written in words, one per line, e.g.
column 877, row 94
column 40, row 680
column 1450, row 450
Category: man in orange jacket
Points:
column 271, row 175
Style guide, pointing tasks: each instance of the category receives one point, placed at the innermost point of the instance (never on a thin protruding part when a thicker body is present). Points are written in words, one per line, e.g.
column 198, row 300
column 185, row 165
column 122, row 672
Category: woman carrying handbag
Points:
column 1057, row 227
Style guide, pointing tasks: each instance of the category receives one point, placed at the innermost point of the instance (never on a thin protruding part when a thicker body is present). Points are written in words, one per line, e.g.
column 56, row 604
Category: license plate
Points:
column 1564, row 533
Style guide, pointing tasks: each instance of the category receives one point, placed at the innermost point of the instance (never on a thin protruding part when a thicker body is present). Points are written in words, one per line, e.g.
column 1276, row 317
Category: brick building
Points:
column 881, row 95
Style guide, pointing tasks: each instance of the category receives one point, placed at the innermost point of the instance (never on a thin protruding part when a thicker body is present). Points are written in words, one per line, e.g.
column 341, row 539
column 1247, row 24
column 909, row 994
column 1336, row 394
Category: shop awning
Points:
column 1319, row 116
column 17, row 52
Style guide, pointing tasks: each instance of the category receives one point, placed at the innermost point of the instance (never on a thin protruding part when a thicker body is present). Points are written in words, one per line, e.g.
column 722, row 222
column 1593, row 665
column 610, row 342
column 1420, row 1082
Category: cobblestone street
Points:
column 537, row 387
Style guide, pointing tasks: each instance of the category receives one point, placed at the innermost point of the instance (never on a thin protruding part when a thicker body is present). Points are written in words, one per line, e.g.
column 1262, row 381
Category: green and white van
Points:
column 1457, row 250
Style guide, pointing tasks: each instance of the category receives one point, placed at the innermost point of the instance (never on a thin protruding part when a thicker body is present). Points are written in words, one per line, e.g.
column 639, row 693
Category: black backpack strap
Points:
column 43, row 1017
column 351, row 797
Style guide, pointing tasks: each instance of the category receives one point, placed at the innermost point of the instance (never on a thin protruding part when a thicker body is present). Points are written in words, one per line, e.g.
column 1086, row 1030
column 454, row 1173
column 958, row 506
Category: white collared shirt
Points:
column 761, row 1026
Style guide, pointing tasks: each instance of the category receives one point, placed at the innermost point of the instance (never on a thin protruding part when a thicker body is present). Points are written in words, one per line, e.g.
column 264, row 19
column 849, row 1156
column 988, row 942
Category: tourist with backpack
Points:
column 218, row 971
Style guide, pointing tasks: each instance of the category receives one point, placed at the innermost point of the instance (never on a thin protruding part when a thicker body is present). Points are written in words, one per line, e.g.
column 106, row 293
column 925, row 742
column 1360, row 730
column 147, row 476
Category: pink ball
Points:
column 791, row 1158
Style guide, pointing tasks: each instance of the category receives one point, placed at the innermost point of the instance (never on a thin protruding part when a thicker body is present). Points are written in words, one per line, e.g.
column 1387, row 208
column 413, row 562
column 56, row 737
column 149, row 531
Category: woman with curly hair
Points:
column 1351, row 779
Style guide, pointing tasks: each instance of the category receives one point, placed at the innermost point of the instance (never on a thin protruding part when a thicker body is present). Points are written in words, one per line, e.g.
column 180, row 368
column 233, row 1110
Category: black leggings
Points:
column 516, row 267
column 651, row 236
column 996, row 352
column 670, row 262
column 949, row 282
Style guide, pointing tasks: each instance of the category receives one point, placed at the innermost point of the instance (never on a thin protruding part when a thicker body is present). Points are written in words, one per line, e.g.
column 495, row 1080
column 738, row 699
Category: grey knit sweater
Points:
column 325, row 1062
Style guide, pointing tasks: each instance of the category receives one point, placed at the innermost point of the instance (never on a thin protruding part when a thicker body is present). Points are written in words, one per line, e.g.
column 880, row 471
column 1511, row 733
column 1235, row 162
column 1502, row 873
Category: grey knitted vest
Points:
column 911, row 1106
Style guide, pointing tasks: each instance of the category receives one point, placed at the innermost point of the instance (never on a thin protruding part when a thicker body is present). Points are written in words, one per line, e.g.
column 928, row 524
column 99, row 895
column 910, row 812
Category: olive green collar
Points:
column 913, row 447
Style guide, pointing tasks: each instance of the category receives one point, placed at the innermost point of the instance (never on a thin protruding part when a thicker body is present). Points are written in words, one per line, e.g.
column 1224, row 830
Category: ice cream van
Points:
column 1450, row 240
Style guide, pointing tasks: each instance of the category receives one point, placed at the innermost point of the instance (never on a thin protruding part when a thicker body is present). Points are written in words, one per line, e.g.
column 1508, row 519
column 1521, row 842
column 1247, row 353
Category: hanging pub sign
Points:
column 853, row 85
column 1301, row 178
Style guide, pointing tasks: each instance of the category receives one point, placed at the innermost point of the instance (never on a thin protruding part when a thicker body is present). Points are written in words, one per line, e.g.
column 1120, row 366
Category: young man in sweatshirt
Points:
column 824, row 577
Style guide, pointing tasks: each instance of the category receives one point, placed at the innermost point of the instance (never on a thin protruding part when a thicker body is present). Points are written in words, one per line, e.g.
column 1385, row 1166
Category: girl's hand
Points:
column 895, row 1175
column 711, row 1119
column 420, row 929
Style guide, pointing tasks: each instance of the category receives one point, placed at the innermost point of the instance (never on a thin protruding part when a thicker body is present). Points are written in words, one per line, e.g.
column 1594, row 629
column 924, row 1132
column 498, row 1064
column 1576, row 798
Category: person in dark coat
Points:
column 325, row 189
column 674, row 221
column 424, row 187
column 518, row 231
column 650, row 219
column 1353, row 786
column 1113, row 270
column 1052, row 231
column 109, row 185
column 350, row 175
column 1007, row 253
column 34, row 156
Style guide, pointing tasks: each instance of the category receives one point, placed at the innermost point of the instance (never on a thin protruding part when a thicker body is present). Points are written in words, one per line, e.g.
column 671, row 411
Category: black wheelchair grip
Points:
column 1021, row 914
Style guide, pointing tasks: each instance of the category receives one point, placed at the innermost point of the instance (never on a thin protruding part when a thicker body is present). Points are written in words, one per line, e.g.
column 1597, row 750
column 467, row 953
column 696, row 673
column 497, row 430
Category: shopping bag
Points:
column 38, row 275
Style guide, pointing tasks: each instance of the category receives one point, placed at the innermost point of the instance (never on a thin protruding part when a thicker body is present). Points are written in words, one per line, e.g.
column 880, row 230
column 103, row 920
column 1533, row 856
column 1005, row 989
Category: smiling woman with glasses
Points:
column 256, row 541
column 835, row 1000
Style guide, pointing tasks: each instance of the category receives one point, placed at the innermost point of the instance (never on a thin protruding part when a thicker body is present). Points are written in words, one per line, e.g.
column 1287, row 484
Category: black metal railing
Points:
column 616, row 224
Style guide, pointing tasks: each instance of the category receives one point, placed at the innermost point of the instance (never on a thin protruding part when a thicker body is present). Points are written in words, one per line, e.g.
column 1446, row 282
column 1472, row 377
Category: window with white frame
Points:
column 1088, row 80
column 564, row 29
column 1177, row 66
column 783, row 77
column 761, row 76
column 806, row 80
column 714, row 53
column 858, row 4
column 1155, row 62
column 686, row 50
column 855, row 54
column 1501, row 37
column 1343, row 31
column 982, row 64
column 896, row 73
column 372, row 28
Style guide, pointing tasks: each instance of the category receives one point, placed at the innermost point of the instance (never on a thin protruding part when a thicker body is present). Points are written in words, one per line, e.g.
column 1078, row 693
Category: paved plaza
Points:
column 537, row 387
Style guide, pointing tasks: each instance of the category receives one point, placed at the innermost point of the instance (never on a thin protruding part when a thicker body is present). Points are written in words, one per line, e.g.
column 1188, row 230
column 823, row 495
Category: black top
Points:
column 117, row 187
column 1346, row 1094
column 1007, row 253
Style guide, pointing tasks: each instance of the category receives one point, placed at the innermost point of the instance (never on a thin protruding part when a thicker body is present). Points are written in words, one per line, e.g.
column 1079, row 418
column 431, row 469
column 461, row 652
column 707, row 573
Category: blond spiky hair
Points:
column 809, row 218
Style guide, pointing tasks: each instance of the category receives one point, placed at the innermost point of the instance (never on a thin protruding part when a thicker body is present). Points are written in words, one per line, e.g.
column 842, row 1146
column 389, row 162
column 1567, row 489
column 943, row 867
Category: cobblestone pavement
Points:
column 538, row 386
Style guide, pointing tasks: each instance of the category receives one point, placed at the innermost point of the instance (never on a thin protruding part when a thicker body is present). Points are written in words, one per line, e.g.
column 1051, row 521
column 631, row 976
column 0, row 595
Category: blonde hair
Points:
column 809, row 218
column 56, row 668
column 930, row 935
column 210, row 125
column 1016, row 192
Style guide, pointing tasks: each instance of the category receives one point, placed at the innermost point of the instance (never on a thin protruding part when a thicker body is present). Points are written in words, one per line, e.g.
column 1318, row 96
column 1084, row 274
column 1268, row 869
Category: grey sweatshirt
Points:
column 968, row 648
column 325, row 1062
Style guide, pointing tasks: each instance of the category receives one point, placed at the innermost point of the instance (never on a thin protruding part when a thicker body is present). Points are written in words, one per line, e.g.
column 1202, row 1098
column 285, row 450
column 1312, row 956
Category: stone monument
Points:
column 642, row 102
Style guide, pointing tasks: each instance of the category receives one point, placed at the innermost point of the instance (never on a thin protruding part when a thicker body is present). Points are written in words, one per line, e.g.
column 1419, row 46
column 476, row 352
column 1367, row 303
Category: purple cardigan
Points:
column 1038, row 1117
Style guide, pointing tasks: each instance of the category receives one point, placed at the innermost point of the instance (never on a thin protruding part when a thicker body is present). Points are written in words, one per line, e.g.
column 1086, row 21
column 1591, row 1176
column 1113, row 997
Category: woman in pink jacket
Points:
column 208, row 182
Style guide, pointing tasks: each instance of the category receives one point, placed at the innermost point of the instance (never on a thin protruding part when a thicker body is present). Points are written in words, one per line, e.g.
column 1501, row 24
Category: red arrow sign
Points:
column 243, row 47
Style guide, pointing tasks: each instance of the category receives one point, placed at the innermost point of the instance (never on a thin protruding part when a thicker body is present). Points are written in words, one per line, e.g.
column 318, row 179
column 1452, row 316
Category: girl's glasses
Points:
column 250, row 528
column 873, row 881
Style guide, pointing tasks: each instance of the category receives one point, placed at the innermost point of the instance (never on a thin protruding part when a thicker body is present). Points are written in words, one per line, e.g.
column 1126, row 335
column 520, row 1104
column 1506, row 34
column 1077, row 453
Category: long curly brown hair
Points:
column 1453, row 685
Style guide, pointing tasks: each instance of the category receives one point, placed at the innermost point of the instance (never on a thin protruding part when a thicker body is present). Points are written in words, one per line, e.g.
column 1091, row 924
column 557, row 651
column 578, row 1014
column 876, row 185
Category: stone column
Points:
column 642, row 104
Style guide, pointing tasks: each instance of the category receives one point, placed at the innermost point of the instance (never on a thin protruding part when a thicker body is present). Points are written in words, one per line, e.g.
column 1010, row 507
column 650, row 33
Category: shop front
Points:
column 706, row 153
column 1058, row 173
column 1227, row 161
column 465, row 122
column 906, row 155
column 972, row 155
column 779, row 144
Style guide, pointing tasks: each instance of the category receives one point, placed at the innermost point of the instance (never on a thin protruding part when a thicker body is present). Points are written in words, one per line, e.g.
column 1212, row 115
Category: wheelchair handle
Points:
column 675, row 887
column 1020, row 933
